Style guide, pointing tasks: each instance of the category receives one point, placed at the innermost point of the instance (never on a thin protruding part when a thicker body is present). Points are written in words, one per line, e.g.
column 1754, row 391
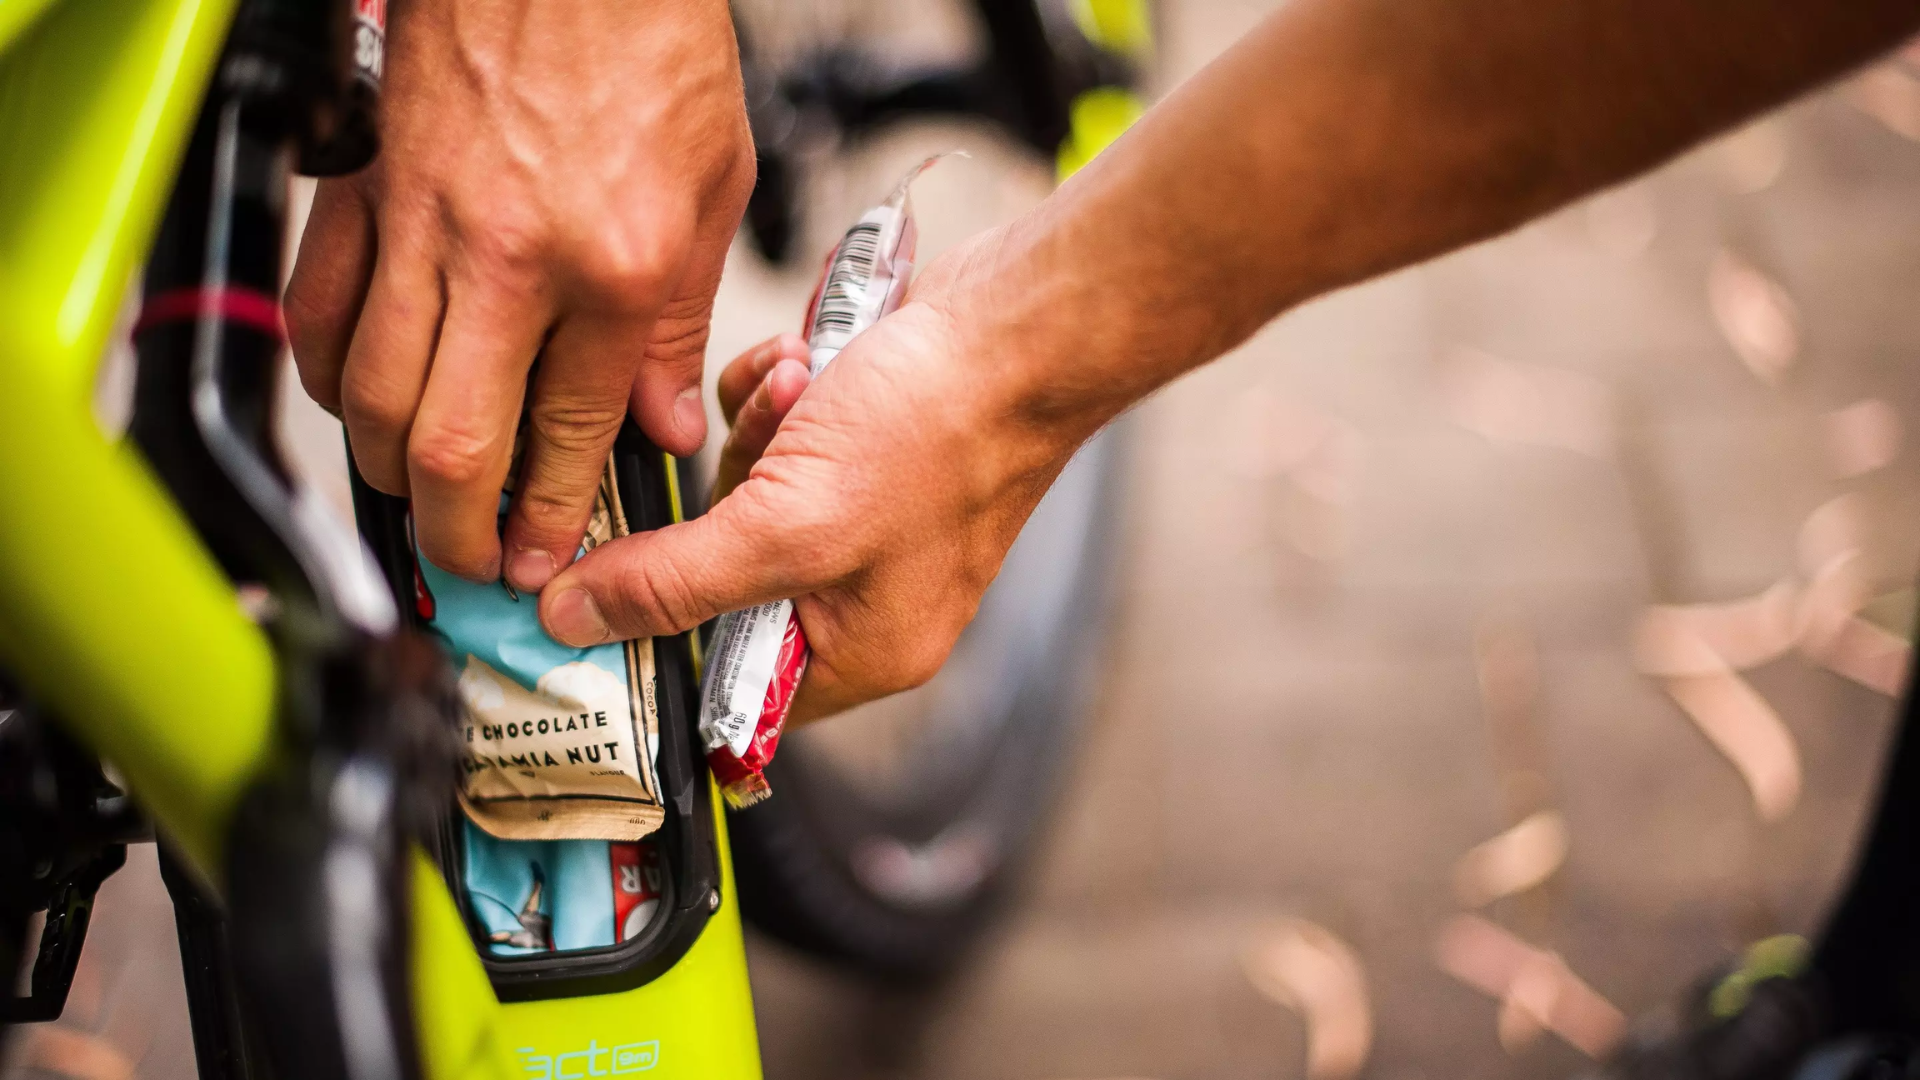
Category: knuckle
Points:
column 451, row 455
column 319, row 387
column 371, row 402
column 804, row 540
column 577, row 427
column 306, row 319
column 681, row 336
column 314, row 346
column 549, row 517
column 631, row 260
column 503, row 242
column 762, row 513
column 378, row 476
column 742, row 173
column 655, row 594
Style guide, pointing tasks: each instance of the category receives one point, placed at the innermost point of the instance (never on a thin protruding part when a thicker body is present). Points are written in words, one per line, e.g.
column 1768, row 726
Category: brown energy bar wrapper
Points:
column 559, row 742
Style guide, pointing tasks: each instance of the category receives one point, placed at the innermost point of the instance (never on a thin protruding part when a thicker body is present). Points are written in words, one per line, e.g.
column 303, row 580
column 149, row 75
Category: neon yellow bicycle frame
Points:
column 111, row 611
column 113, row 614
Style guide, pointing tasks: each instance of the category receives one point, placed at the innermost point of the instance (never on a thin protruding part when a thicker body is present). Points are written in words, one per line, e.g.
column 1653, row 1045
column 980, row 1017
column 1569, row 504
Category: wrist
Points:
column 1019, row 384
column 1048, row 336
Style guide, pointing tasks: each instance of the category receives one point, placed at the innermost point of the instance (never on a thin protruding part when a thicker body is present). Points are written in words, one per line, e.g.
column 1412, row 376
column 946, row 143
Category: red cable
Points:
column 247, row 307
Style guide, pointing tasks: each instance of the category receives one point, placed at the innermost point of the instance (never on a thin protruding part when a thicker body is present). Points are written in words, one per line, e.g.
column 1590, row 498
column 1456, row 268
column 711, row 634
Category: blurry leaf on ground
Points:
column 1746, row 730
column 1830, row 628
column 1529, row 404
column 1318, row 519
column 1704, row 639
column 1894, row 611
column 1622, row 222
column 1512, row 862
column 1862, row 437
column 1838, row 590
column 1754, row 156
column 1535, row 987
column 1304, row 967
column 1272, row 432
column 1710, row 642
column 1890, row 95
column 63, row 1051
column 1870, row 655
column 1756, row 316
column 1319, row 460
column 1836, row 529
column 1331, row 471
column 1780, row 956
column 1507, row 667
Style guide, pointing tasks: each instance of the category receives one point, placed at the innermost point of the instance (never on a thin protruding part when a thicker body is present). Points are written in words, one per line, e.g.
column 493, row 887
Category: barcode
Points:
column 853, row 266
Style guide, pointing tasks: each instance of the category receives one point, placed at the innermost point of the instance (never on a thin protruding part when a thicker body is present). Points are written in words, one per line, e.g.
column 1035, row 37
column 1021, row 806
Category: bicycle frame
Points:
column 114, row 614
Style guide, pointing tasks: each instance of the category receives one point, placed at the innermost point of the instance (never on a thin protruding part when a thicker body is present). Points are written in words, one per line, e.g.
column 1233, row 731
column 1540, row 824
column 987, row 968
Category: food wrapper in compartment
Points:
column 757, row 655
column 547, row 896
column 639, row 883
column 559, row 743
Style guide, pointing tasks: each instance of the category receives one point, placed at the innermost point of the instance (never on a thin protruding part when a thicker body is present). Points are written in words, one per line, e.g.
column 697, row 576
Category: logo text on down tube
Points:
column 591, row 1060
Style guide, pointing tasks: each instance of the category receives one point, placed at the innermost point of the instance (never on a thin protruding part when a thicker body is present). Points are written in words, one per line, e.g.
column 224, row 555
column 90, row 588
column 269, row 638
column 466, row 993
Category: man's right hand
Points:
column 883, row 501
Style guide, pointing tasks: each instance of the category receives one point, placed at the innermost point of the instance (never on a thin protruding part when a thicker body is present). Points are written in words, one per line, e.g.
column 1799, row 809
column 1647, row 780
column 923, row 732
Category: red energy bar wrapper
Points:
column 637, row 887
column 758, row 654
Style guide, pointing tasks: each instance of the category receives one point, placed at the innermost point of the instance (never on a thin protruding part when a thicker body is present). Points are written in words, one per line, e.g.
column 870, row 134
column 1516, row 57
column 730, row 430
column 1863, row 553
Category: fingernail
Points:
column 574, row 619
column 530, row 569
column 766, row 357
column 688, row 413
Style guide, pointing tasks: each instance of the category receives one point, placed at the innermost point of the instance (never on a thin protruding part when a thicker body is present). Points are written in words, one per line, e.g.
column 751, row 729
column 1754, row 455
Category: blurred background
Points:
column 1496, row 648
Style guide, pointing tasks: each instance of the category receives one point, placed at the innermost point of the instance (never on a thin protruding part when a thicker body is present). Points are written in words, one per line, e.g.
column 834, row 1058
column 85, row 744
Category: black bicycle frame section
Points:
column 64, row 828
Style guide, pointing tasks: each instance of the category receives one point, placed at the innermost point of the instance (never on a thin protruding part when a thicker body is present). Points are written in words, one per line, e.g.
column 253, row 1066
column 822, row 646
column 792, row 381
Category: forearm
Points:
column 1346, row 138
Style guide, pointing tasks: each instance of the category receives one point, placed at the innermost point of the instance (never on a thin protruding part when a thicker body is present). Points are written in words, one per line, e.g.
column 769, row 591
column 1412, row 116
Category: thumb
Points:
column 671, row 579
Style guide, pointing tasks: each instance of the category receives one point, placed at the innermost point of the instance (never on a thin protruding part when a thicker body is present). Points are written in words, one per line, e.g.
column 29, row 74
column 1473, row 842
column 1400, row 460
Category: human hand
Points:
column 882, row 498
column 559, row 179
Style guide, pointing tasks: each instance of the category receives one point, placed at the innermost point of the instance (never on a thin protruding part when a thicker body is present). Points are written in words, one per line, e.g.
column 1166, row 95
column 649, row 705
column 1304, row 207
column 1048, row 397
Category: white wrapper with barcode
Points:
column 745, row 645
column 866, row 278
